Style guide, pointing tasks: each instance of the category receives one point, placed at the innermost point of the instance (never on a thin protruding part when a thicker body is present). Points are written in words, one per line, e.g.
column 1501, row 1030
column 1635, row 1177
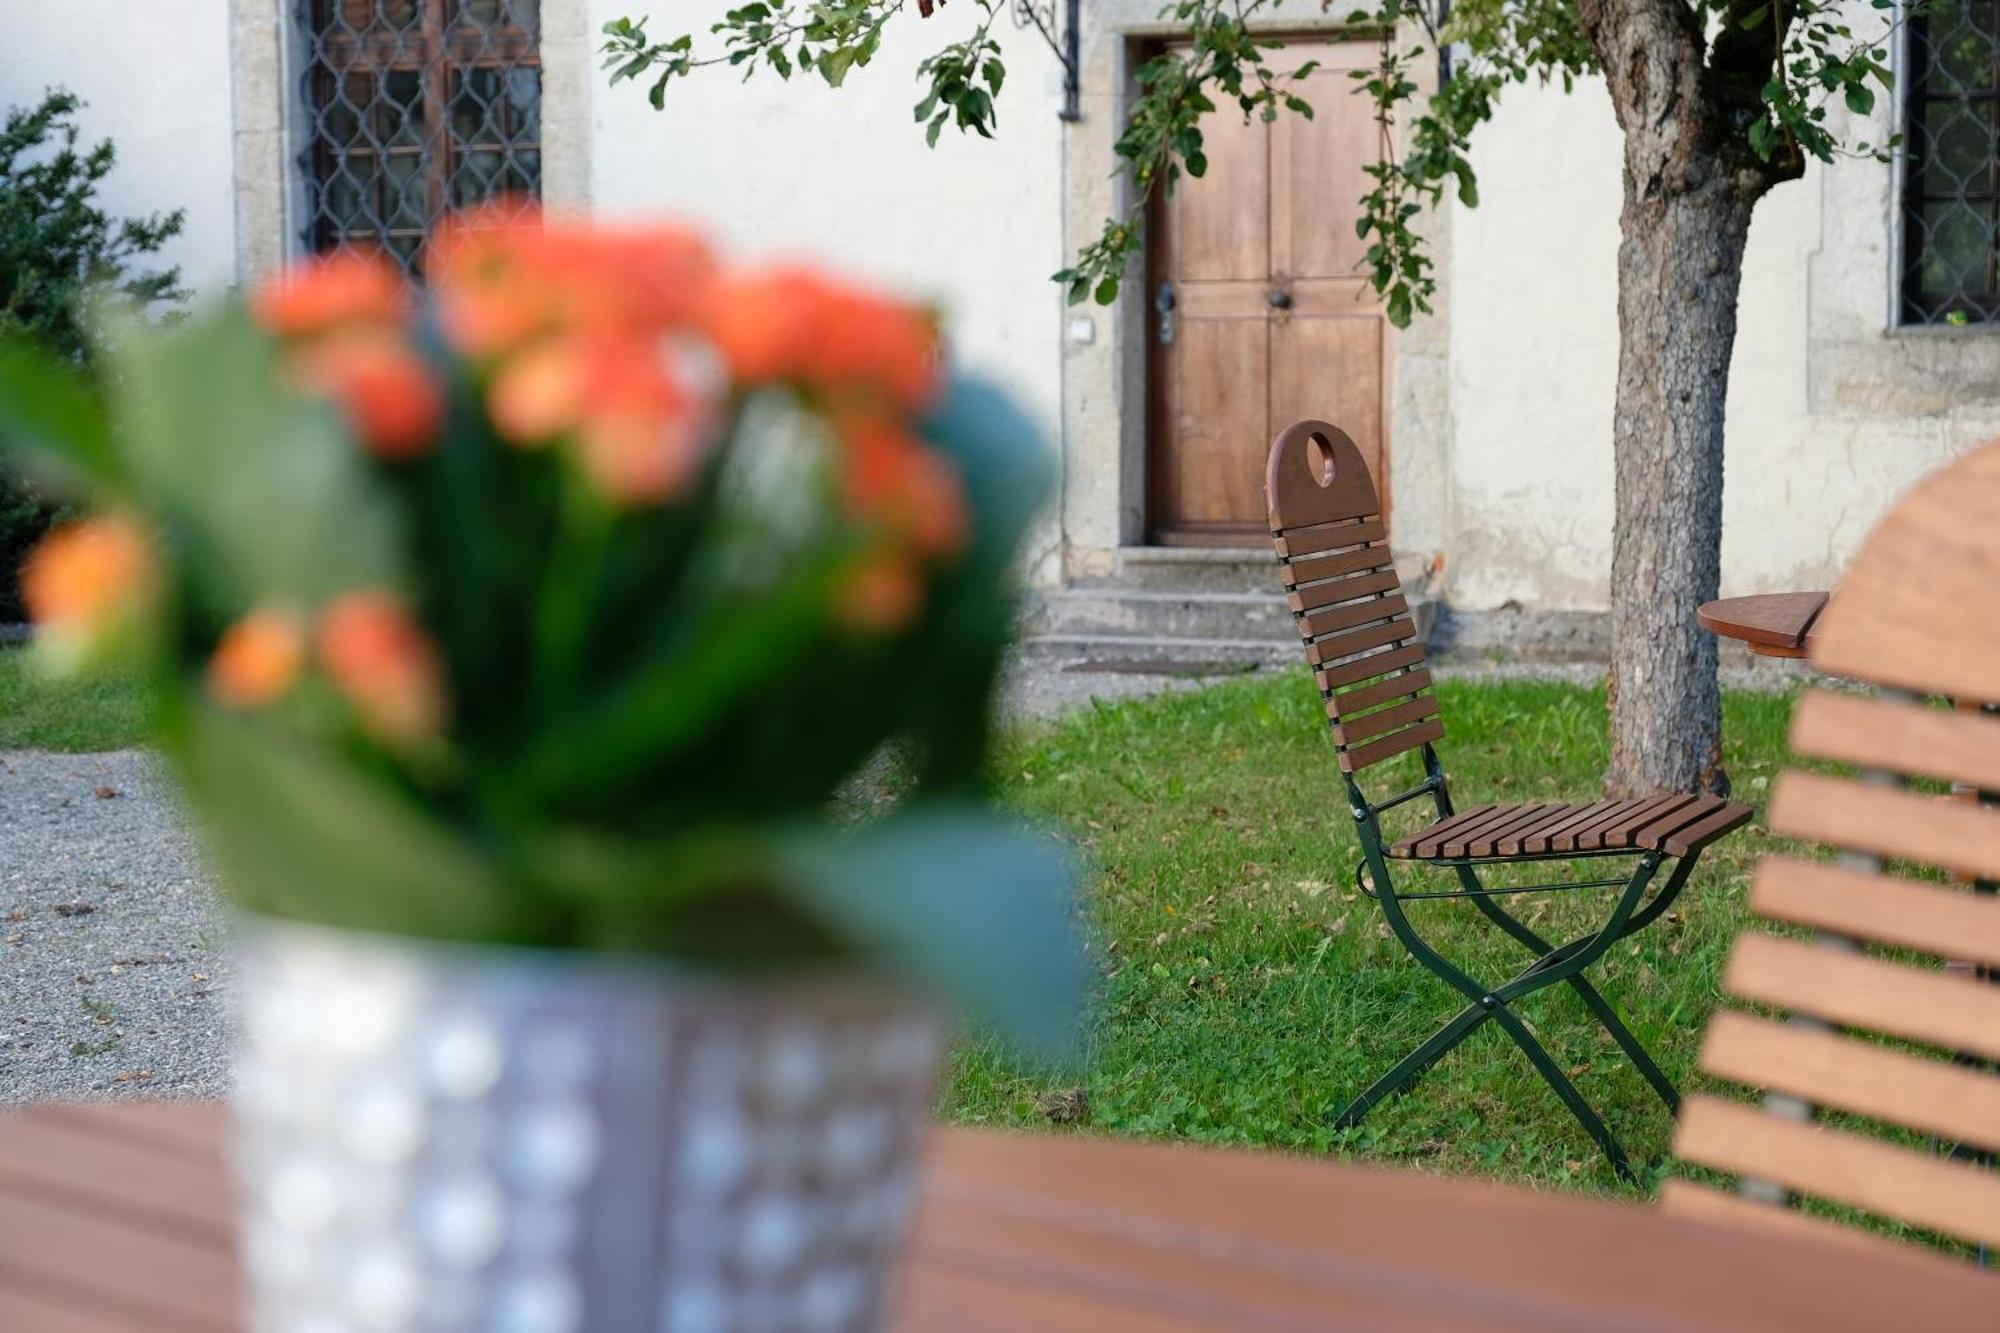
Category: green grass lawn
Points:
column 1247, row 990
column 105, row 713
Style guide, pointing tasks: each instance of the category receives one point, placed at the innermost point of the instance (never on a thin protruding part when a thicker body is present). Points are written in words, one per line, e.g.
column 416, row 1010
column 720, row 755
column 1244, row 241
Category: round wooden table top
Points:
column 118, row 1217
column 1772, row 624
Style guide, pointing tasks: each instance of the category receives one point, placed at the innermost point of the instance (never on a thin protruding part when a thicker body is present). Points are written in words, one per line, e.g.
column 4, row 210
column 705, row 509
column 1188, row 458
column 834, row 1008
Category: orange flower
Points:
column 345, row 287
column 257, row 659
column 540, row 393
column 791, row 324
column 894, row 478
column 383, row 662
column 880, row 595
column 643, row 448
column 83, row 573
column 387, row 391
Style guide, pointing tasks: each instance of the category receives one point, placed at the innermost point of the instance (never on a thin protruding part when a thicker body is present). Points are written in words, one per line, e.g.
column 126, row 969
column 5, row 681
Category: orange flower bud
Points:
column 382, row 661
column 345, row 287
column 257, row 659
column 642, row 447
column 789, row 324
column 540, row 393
column 880, row 595
column 388, row 392
column 81, row 574
column 896, row 479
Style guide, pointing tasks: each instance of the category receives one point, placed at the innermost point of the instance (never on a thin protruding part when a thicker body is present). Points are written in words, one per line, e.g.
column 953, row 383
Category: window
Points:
column 1951, row 168
column 417, row 107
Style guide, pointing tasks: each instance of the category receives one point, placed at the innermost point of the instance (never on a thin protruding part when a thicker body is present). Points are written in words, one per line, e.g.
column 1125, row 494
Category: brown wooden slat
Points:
column 1583, row 837
column 1580, row 817
column 1307, row 569
column 1725, row 818
column 1773, row 619
column 1951, row 923
column 1367, row 668
column 1517, row 840
column 1656, row 830
column 1490, row 840
column 1888, row 822
column 1356, row 729
column 1380, row 692
column 1343, row 590
column 175, row 1187
column 1903, row 737
column 1623, row 831
column 1294, row 542
column 1400, row 742
column 24, row 1310
column 1424, row 842
column 1952, row 1197
column 1469, row 829
column 1477, row 841
column 1349, row 614
column 190, row 1126
column 112, row 1262
column 1857, row 1076
column 1703, row 1203
column 1956, row 1013
column 1320, row 651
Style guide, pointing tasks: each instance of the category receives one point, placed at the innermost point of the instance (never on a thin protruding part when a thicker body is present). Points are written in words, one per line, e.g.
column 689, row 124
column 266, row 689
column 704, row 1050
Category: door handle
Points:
column 1164, row 303
column 1279, row 298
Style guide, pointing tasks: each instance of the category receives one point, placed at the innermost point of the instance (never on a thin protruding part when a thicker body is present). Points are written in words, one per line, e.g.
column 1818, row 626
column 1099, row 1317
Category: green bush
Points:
column 56, row 246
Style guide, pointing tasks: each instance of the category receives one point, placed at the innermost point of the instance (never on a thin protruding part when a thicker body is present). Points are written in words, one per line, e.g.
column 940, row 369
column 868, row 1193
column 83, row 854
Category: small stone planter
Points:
column 437, row 1137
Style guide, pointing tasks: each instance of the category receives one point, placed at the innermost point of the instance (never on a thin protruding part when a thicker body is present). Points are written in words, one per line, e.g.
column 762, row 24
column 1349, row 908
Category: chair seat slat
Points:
column 1382, row 691
column 1425, row 843
column 1470, row 841
column 1515, row 840
column 1705, row 1203
column 1852, row 990
column 1952, row 1197
column 1697, row 834
column 1903, row 737
column 1616, row 828
column 1950, row 923
column 1908, row 825
column 1562, row 834
column 1857, row 1076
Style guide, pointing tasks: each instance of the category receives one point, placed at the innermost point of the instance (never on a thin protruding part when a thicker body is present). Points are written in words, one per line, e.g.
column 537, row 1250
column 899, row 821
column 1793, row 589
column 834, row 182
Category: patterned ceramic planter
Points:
column 439, row 1137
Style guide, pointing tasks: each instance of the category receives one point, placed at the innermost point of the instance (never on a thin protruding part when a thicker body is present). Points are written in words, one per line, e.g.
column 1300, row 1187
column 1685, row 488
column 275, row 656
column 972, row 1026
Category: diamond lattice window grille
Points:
column 1951, row 165
column 417, row 108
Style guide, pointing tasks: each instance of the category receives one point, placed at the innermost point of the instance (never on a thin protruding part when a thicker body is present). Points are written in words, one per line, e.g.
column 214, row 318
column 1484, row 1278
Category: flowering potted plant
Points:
column 511, row 642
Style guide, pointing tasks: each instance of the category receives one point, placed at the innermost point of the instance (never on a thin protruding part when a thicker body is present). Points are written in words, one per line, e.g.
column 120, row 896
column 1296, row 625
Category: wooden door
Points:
column 1260, row 312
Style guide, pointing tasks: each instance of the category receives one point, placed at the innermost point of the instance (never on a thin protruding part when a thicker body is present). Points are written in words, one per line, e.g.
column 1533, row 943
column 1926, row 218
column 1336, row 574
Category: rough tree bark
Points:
column 1690, row 184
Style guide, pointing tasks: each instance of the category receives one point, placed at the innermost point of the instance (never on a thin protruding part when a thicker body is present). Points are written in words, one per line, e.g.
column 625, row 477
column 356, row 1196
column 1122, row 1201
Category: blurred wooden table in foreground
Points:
column 116, row 1218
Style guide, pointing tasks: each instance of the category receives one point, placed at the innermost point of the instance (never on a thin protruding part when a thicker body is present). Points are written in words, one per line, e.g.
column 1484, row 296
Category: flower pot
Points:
column 437, row 1136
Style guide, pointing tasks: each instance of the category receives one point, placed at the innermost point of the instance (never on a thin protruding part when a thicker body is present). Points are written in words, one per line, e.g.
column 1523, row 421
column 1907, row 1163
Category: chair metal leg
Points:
column 1562, row 964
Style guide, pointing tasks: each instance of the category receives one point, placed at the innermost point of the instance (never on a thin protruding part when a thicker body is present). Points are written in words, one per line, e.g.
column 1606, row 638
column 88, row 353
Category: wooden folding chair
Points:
column 1918, row 616
column 1372, row 672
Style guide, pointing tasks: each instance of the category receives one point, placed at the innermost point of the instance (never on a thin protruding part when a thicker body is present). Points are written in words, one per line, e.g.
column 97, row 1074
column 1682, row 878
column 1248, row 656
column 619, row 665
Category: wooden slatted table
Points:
column 1774, row 624
column 117, row 1219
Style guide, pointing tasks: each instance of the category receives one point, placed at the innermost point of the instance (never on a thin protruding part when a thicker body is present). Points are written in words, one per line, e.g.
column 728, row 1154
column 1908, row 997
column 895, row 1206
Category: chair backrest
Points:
column 1365, row 651
column 1918, row 614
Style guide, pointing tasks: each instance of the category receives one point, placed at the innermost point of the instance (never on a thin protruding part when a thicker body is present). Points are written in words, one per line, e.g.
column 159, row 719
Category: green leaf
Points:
column 52, row 420
column 960, row 902
column 1860, row 98
column 265, row 491
column 834, row 64
column 1106, row 291
column 1754, row 17
column 298, row 832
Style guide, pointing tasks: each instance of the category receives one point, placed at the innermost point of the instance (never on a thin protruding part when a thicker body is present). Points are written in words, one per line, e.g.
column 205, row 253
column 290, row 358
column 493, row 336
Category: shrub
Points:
column 56, row 245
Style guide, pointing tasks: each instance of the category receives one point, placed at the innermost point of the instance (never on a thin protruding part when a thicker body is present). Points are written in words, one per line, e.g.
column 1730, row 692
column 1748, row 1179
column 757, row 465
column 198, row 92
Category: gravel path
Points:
column 112, row 981
column 110, row 977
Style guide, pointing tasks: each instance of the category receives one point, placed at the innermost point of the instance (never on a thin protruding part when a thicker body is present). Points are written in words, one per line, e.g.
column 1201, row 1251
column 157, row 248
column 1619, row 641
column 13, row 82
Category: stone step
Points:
column 1147, row 654
column 1260, row 616
column 1177, row 569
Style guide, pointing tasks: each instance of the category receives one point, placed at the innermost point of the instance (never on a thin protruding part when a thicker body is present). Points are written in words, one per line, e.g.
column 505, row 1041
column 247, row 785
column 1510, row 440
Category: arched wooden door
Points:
column 1260, row 312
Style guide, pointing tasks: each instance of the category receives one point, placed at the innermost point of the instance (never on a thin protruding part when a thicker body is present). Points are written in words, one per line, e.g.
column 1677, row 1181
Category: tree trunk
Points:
column 1679, row 268
column 1690, row 184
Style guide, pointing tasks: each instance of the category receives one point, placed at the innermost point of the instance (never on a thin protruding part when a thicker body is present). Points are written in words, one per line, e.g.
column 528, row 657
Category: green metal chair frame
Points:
column 1371, row 666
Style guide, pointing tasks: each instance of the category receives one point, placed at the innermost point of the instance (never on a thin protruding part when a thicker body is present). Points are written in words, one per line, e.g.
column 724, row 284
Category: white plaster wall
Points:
column 842, row 177
column 156, row 78
column 1832, row 413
